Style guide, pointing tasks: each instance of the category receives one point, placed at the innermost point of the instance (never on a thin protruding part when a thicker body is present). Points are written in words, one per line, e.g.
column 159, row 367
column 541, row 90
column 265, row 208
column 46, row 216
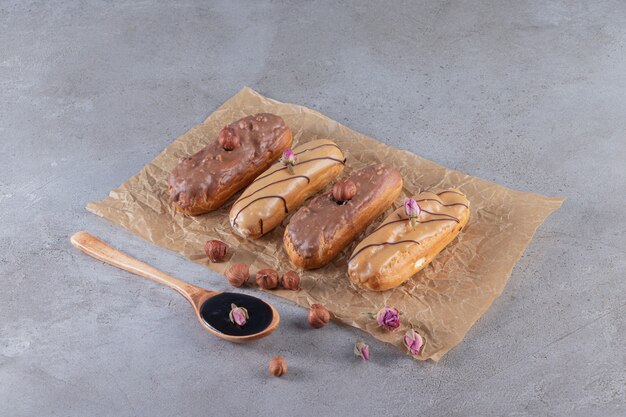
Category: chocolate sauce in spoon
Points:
column 215, row 313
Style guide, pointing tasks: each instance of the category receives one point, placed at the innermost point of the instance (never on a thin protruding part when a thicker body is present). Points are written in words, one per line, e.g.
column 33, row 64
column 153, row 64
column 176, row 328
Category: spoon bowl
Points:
column 211, row 307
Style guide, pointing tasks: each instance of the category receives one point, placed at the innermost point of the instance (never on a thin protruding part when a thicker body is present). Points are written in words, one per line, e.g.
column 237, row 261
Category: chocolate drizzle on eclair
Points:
column 404, row 218
column 402, row 229
column 371, row 245
column 301, row 162
column 214, row 169
column 293, row 177
column 313, row 161
column 318, row 222
column 317, row 147
column 280, row 197
column 341, row 161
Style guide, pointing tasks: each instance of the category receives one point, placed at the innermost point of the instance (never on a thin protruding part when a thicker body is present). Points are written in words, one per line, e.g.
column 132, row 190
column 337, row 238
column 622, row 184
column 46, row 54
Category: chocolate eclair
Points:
column 408, row 239
column 204, row 181
column 324, row 227
column 285, row 186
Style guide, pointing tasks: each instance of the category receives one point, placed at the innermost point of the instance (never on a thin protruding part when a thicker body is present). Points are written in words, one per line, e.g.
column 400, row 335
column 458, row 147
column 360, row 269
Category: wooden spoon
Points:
column 212, row 308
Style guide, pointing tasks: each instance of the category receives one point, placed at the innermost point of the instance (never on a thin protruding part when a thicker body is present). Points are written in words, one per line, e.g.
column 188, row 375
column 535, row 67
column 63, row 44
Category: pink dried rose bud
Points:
column 413, row 342
column 412, row 209
column 362, row 350
column 388, row 318
column 289, row 159
column 238, row 315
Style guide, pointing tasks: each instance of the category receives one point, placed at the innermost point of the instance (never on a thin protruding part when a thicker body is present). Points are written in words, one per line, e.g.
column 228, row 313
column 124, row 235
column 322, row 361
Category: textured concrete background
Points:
column 529, row 94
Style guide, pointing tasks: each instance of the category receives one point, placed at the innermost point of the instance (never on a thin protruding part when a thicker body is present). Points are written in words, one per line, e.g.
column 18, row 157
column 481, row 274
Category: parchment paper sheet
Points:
column 441, row 302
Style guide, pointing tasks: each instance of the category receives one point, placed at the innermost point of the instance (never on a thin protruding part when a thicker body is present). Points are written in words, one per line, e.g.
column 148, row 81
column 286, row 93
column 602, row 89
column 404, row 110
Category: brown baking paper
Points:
column 441, row 302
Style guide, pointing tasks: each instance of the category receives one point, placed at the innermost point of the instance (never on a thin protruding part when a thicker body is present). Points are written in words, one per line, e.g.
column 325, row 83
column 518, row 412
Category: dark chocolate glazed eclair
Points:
column 331, row 221
column 206, row 180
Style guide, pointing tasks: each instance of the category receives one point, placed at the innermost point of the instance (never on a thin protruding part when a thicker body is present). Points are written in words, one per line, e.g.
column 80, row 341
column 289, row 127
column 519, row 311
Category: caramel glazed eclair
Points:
column 281, row 189
column 325, row 226
column 206, row 180
column 397, row 250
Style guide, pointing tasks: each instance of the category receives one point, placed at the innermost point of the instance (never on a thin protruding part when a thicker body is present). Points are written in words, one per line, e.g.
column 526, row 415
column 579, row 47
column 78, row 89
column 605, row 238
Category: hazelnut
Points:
column 278, row 367
column 344, row 191
column 291, row 280
column 267, row 279
column 228, row 138
column 238, row 274
column 215, row 250
column 318, row 316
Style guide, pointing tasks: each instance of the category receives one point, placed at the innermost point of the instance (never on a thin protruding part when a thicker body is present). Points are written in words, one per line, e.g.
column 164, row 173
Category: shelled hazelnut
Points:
column 344, row 191
column 267, row 279
column 215, row 250
column 228, row 138
column 291, row 280
column 238, row 274
column 278, row 367
column 318, row 316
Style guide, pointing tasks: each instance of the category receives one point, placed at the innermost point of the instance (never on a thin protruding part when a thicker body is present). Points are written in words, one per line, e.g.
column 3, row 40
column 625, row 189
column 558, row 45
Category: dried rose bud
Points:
column 291, row 280
column 388, row 318
column 289, row 159
column 413, row 342
column 228, row 138
column 362, row 350
column 267, row 279
column 238, row 315
column 318, row 316
column 215, row 250
column 413, row 210
column 278, row 367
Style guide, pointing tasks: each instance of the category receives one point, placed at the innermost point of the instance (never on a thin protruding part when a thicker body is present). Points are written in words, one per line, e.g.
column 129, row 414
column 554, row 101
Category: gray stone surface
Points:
column 529, row 94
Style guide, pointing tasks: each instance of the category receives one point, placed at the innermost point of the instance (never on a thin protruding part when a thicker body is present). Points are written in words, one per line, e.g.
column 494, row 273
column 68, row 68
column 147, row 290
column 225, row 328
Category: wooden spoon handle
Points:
column 93, row 246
